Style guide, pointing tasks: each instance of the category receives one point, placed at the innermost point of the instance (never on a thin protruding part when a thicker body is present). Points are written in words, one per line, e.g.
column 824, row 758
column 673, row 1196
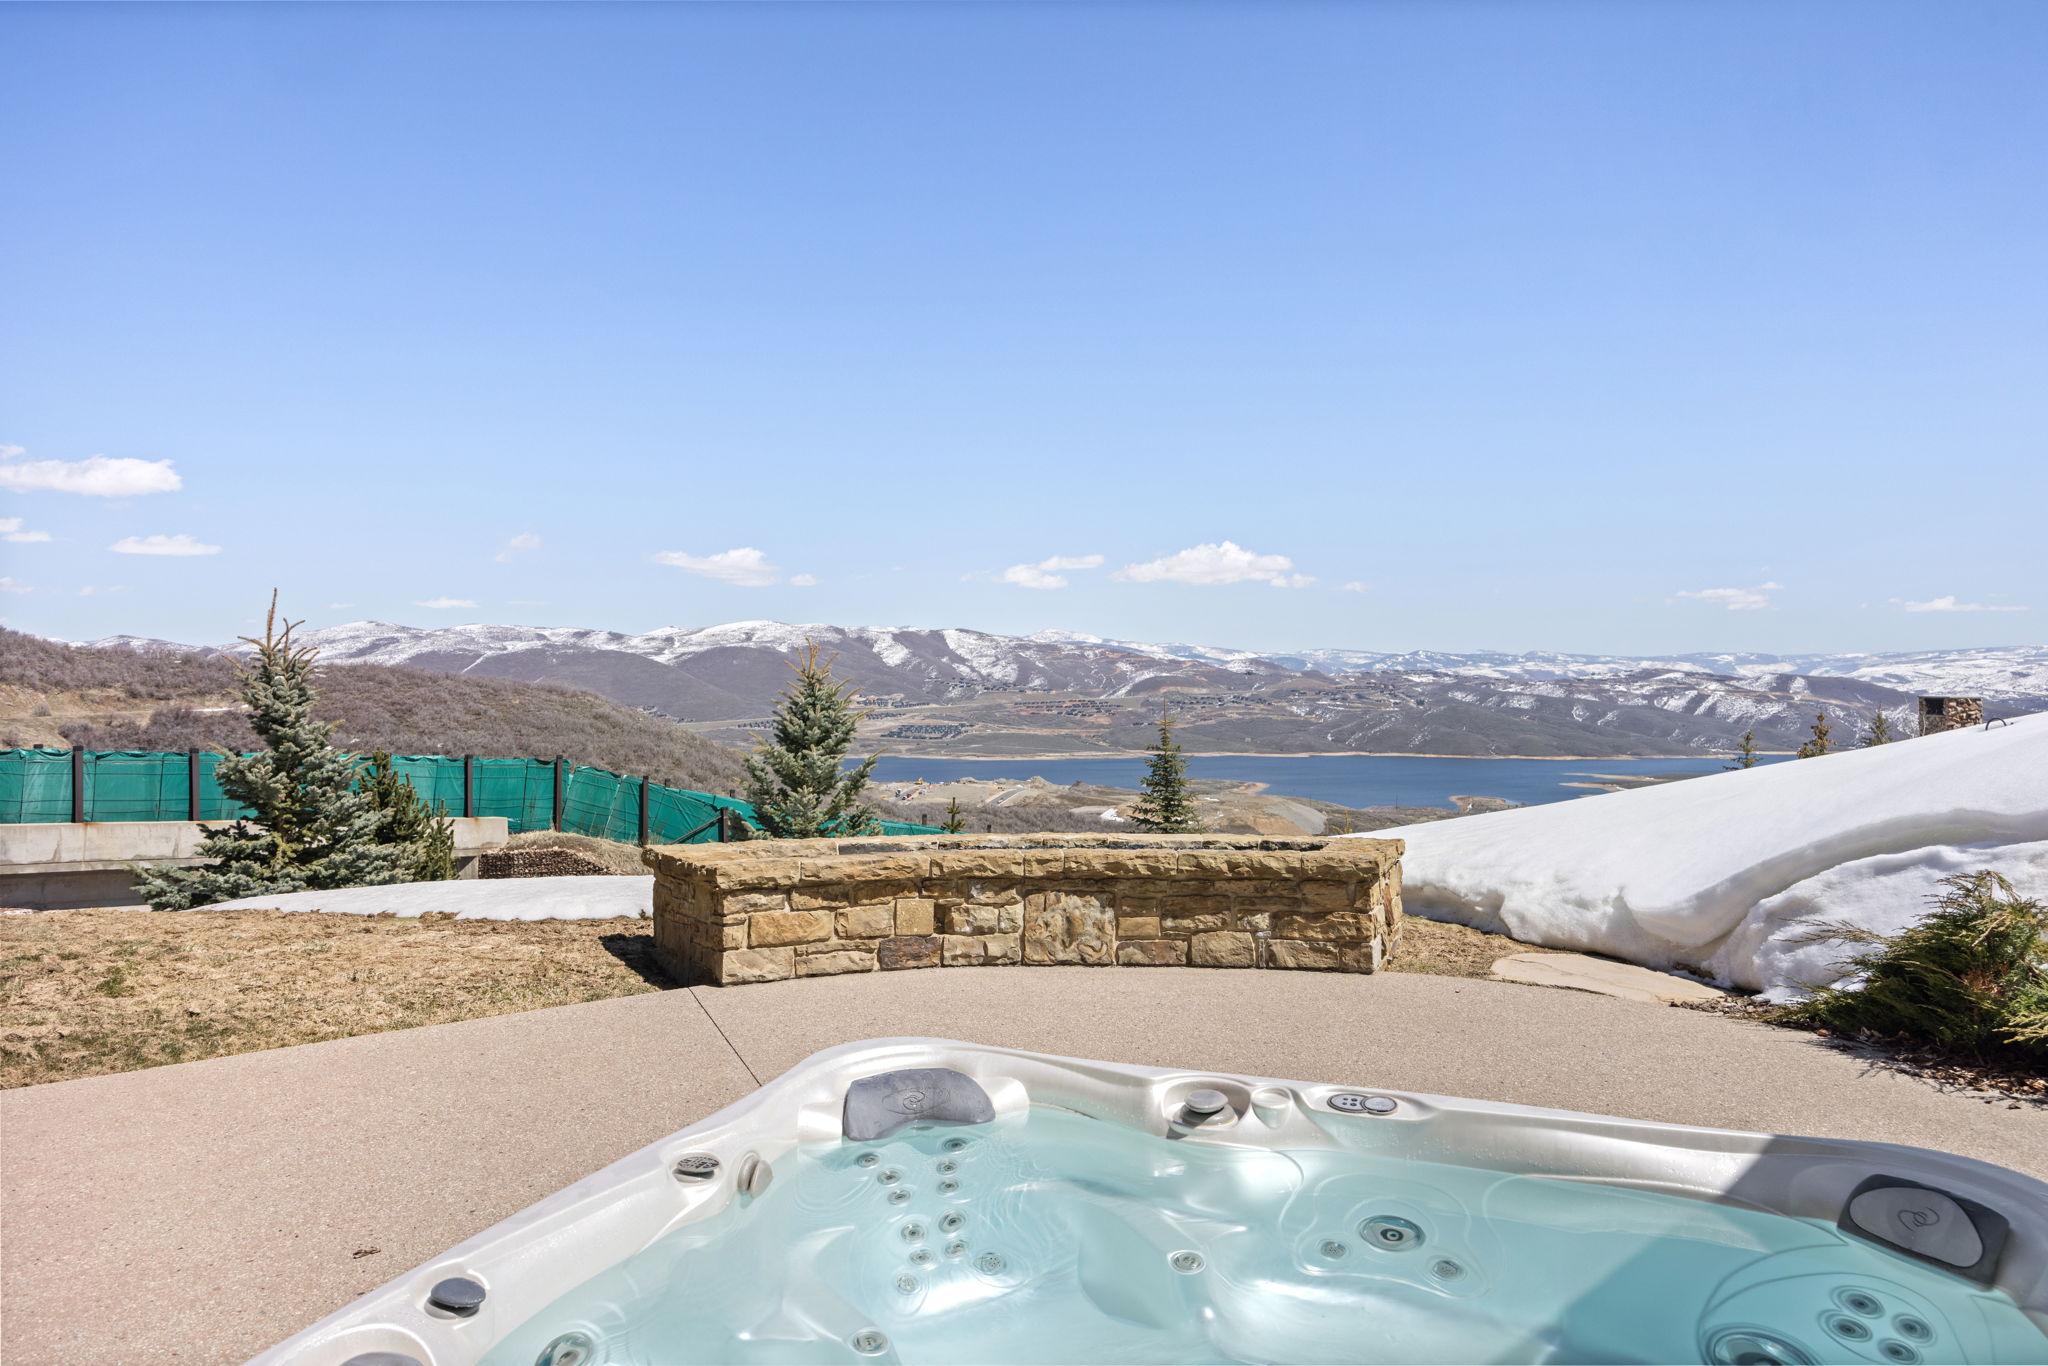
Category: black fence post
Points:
column 77, row 784
column 192, row 784
column 643, row 812
column 468, row 785
column 561, row 781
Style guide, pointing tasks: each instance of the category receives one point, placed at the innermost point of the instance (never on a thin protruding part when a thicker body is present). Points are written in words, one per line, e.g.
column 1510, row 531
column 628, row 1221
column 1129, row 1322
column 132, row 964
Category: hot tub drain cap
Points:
column 458, row 1295
column 1205, row 1102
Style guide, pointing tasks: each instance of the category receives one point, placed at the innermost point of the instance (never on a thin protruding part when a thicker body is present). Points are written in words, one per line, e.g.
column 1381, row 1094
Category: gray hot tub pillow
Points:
column 878, row 1106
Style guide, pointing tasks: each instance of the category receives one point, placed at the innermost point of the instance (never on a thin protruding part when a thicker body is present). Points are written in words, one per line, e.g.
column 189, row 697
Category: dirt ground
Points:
column 89, row 992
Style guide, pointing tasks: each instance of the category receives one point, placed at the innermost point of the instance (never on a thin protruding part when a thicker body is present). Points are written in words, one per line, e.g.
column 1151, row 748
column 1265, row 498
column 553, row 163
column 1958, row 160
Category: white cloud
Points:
column 803, row 580
column 180, row 544
column 746, row 566
column 10, row 530
column 9, row 585
column 518, row 545
column 1949, row 604
column 1734, row 599
column 96, row 476
column 1216, row 563
column 439, row 603
column 1048, row 573
column 1356, row 587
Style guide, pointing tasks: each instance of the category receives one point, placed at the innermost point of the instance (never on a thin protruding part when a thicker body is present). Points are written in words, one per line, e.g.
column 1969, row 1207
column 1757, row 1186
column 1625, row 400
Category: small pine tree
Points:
column 1819, row 744
column 794, row 778
column 1745, row 751
column 312, row 830
column 405, row 819
column 1167, row 808
column 956, row 820
column 1880, row 732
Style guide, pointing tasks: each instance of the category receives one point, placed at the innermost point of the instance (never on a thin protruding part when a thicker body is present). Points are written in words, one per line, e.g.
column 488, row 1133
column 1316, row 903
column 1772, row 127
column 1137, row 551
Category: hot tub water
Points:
column 1047, row 1236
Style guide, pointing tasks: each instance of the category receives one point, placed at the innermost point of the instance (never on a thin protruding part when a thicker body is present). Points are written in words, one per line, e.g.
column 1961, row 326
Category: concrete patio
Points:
column 198, row 1213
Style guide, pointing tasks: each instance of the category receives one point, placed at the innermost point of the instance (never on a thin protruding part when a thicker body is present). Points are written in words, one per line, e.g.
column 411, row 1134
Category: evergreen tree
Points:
column 1880, row 732
column 312, row 830
column 1167, row 808
column 405, row 819
column 794, row 780
column 1745, row 751
column 956, row 820
column 1819, row 744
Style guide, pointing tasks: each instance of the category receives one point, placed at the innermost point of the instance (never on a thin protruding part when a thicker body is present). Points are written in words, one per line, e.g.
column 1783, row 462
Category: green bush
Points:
column 1971, row 975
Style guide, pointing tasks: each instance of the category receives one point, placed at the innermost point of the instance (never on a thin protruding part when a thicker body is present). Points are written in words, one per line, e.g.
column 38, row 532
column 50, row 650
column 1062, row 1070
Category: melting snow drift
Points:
column 1728, row 874
column 512, row 898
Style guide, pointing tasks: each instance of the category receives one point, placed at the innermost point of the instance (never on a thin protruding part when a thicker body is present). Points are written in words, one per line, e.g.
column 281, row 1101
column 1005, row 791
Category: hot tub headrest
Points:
column 878, row 1106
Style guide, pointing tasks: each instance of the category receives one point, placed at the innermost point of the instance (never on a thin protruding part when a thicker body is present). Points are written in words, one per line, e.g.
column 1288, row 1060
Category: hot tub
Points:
column 920, row 1200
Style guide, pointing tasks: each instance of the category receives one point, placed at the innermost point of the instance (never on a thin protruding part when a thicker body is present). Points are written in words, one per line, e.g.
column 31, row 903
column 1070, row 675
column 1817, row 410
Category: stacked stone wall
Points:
column 769, row 910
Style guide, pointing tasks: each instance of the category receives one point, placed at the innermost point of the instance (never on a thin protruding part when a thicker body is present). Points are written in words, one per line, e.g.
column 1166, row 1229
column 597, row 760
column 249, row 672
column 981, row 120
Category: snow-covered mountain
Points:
column 943, row 685
column 1999, row 673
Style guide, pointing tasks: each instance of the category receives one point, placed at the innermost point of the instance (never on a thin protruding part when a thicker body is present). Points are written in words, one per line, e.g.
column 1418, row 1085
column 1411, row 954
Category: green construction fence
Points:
column 532, row 794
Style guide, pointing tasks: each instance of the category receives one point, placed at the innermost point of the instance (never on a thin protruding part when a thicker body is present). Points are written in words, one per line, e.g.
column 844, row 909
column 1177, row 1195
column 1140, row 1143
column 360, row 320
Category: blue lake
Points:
column 1346, row 779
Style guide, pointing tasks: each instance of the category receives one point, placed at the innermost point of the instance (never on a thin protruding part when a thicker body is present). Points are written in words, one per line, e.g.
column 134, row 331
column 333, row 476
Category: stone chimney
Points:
column 1938, row 714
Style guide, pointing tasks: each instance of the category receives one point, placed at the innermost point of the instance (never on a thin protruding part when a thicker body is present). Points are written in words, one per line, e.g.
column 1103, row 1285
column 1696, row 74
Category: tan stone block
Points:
column 1181, row 926
column 1152, row 953
column 752, row 903
column 994, row 892
column 865, row 868
column 1137, row 927
column 1330, row 925
column 788, row 927
column 835, row 962
column 818, row 898
column 915, row 915
column 1363, row 957
column 1222, row 949
column 1045, row 864
column 977, row 863
column 984, row 919
column 1067, row 927
column 1255, row 922
column 908, row 951
column 755, row 965
column 1123, row 863
column 867, row 922
column 1327, row 896
column 1194, row 905
column 1302, row 953
column 964, row 951
column 733, row 936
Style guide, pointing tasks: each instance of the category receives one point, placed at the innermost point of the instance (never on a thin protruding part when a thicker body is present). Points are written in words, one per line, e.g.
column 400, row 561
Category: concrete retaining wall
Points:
column 56, row 865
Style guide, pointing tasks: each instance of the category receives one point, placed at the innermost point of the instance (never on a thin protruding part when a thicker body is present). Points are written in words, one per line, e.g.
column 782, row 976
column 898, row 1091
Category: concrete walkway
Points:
column 198, row 1213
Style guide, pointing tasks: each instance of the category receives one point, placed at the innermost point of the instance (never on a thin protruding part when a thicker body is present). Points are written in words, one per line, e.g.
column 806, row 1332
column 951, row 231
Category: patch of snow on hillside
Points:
column 511, row 898
column 1711, row 873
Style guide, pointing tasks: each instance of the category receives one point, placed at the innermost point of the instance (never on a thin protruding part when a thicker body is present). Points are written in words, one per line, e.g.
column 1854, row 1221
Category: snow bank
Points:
column 1720, row 873
column 511, row 898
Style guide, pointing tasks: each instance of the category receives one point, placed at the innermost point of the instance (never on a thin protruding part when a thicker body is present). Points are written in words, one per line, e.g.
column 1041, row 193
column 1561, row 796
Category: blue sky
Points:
column 1624, row 326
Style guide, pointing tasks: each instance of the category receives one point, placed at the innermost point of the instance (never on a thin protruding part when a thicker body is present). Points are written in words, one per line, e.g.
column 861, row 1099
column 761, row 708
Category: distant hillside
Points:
column 114, row 697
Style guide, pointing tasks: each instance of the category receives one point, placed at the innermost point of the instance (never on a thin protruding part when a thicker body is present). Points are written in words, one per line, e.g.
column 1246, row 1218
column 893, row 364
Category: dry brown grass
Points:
column 1450, row 950
column 89, row 992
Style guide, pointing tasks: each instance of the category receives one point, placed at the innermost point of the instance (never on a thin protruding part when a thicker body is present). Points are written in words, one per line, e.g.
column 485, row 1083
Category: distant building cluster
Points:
column 925, row 732
column 1083, row 707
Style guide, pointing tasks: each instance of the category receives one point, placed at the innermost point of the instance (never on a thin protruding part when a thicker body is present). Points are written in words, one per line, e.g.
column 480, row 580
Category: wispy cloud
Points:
column 1949, row 604
column 1734, row 599
column 96, row 476
column 1355, row 586
column 1214, row 563
column 13, row 585
column 803, row 580
column 440, row 604
column 180, row 544
column 1049, row 573
column 10, row 530
column 518, row 545
column 745, row 567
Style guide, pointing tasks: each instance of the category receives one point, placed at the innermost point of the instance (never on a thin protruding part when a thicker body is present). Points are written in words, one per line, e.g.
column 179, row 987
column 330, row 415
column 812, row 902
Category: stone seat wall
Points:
column 765, row 910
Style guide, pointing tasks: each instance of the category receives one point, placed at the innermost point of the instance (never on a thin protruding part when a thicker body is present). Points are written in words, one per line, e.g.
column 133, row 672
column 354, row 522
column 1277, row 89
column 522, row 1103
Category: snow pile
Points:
column 511, row 898
column 1726, row 874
